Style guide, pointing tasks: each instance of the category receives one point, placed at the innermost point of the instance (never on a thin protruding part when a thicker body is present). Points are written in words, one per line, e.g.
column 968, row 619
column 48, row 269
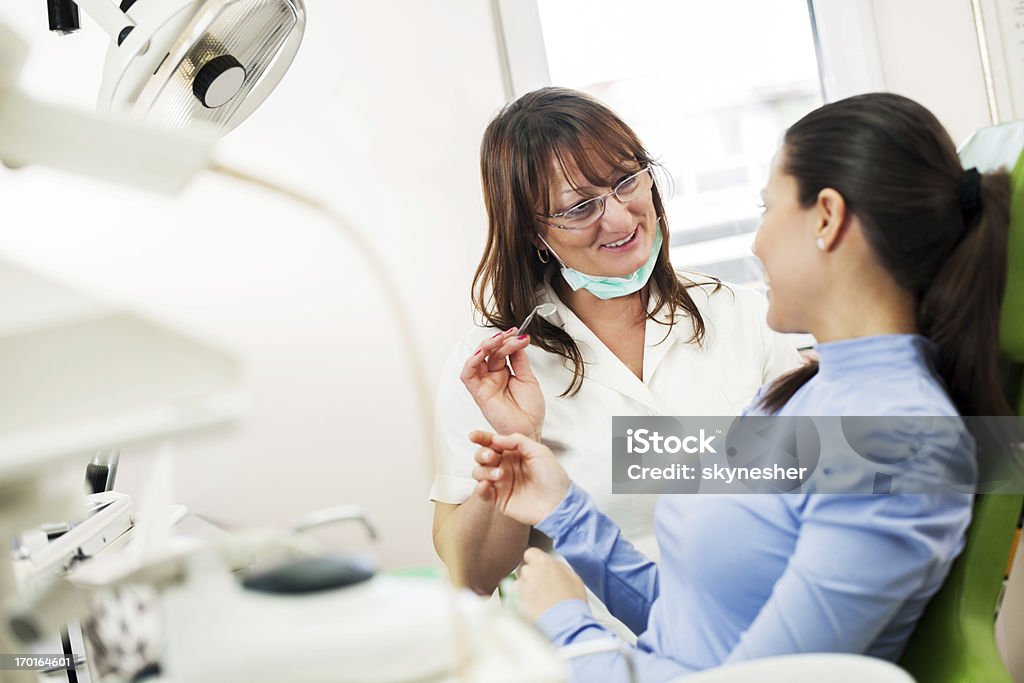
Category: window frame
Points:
column 1006, row 103
column 845, row 40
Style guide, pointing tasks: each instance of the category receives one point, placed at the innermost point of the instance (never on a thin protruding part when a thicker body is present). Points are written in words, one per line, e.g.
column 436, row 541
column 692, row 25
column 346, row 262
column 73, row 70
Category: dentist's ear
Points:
column 543, row 251
column 830, row 219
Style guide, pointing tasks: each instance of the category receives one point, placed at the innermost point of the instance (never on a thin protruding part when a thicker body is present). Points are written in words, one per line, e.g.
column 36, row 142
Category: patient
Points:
column 875, row 240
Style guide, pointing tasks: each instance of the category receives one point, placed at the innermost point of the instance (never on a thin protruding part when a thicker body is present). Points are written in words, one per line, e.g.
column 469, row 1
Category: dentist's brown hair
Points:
column 518, row 156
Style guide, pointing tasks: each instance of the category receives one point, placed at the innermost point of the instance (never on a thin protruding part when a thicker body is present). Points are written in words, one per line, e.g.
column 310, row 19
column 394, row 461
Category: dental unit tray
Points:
column 62, row 545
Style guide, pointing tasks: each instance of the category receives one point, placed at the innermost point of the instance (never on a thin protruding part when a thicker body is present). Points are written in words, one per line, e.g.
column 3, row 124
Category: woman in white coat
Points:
column 576, row 219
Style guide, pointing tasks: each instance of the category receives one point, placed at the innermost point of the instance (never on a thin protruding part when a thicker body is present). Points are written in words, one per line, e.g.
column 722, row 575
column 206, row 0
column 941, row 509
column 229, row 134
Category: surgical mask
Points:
column 612, row 287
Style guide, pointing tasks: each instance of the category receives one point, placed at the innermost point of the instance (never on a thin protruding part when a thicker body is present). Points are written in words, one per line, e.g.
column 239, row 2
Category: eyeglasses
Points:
column 588, row 212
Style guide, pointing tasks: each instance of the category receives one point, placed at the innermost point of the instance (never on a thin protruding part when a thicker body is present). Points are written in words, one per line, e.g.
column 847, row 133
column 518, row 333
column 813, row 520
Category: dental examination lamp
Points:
column 178, row 74
column 179, row 62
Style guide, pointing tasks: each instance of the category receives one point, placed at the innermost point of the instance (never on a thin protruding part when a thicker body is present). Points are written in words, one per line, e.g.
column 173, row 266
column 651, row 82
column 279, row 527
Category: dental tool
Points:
column 544, row 309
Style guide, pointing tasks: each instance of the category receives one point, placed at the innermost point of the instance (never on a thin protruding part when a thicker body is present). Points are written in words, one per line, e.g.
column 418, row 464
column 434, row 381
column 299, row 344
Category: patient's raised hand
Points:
column 519, row 476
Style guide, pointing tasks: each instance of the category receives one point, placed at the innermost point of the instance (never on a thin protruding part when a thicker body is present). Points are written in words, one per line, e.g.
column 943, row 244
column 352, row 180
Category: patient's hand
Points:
column 544, row 582
column 519, row 476
column 510, row 399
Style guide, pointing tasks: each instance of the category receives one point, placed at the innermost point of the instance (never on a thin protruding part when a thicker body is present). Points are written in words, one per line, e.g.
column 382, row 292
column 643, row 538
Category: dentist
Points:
column 576, row 219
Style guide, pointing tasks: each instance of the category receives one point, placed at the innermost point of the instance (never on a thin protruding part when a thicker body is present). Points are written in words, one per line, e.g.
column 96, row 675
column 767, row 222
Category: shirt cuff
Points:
column 451, row 489
column 567, row 515
column 564, row 621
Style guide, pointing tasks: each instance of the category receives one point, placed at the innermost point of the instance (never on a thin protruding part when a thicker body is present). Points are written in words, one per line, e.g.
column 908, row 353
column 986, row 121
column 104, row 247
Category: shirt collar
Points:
column 884, row 352
column 602, row 365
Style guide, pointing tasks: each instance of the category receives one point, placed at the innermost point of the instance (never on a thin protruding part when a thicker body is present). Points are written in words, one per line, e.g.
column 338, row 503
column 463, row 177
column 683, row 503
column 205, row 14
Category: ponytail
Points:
column 960, row 309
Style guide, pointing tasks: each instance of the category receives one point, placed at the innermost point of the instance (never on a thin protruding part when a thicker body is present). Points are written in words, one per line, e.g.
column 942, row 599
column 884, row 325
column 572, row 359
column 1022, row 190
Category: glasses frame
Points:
column 602, row 201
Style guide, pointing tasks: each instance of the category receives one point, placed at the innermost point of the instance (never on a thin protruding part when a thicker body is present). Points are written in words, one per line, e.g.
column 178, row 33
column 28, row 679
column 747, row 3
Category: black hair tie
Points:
column 970, row 195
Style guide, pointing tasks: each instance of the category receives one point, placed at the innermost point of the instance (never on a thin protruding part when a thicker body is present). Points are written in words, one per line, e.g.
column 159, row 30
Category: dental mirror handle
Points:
column 528, row 320
column 544, row 309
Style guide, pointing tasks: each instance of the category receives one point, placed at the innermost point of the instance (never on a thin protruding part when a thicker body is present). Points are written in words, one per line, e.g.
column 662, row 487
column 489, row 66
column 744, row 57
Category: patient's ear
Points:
column 831, row 218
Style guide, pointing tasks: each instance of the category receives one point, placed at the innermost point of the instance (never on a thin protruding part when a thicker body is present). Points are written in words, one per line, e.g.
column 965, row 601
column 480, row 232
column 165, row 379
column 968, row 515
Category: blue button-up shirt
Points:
column 748, row 576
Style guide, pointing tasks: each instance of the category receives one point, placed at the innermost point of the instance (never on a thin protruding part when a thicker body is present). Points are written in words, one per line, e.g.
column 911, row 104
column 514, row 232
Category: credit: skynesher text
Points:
column 717, row 473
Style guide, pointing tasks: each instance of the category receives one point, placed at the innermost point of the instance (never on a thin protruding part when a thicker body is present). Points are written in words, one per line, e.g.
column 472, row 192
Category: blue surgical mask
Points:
column 612, row 287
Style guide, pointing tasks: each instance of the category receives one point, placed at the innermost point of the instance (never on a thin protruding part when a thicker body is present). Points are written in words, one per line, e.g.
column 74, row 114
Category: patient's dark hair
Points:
column 898, row 171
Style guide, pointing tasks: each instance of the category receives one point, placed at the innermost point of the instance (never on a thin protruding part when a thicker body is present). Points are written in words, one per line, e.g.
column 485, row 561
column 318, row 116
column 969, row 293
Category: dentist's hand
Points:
column 518, row 476
column 510, row 400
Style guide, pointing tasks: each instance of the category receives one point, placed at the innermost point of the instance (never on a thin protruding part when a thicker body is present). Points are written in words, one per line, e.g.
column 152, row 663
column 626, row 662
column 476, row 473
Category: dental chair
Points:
column 955, row 639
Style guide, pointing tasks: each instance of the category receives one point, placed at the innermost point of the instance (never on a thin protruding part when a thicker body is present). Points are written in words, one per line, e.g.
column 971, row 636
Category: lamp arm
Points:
column 99, row 145
column 108, row 15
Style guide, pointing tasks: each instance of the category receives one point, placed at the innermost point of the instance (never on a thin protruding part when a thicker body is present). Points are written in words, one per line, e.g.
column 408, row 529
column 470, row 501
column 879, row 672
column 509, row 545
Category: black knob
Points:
column 312, row 574
column 63, row 16
column 125, row 6
column 218, row 81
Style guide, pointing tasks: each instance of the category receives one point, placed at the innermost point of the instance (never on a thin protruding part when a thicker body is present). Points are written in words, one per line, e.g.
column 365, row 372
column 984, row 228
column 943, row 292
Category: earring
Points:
column 821, row 243
column 542, row 255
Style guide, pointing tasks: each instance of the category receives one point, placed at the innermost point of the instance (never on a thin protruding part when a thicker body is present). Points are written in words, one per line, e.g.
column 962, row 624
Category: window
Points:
column 708, row 86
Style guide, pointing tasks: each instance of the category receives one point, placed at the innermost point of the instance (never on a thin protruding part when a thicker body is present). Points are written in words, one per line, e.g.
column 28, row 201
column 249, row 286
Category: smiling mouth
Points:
column 625, row 241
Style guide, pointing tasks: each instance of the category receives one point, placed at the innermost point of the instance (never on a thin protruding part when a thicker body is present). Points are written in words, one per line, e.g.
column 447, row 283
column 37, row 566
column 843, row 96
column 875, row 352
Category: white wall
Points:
column 929, row 52
column 381, row 115
column 924, row 49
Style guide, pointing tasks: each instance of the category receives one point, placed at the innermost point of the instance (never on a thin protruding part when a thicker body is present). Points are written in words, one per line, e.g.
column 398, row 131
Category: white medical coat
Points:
column 739, row 354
